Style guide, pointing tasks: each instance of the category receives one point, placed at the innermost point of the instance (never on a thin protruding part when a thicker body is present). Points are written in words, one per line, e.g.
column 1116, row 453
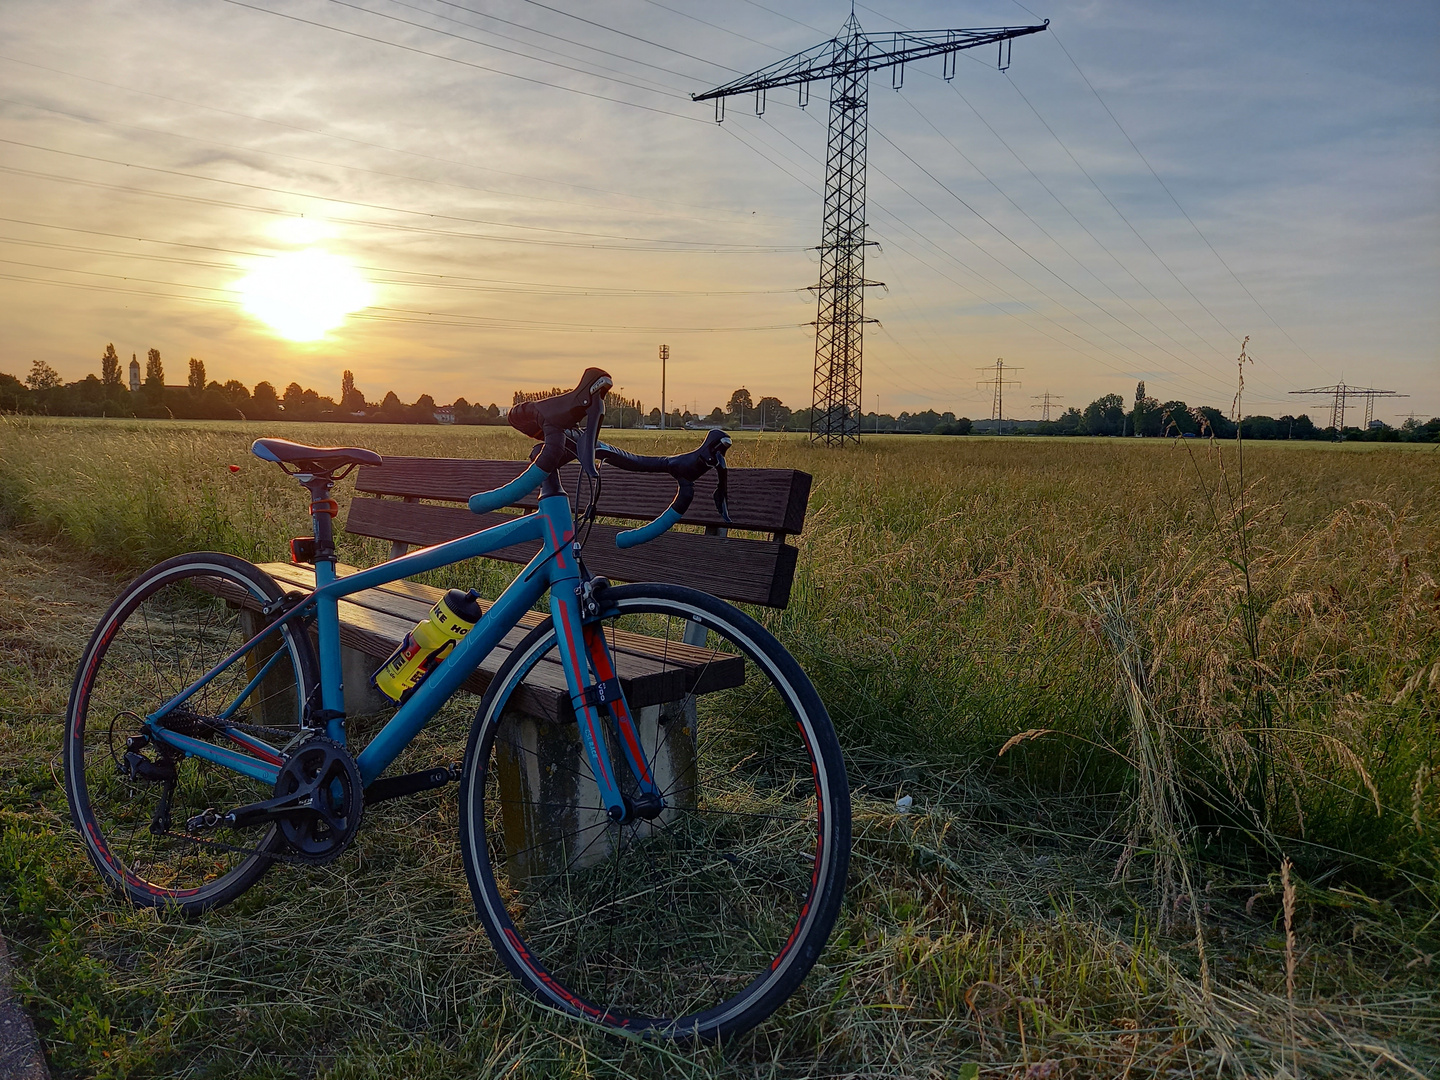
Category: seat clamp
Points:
column 324, row 506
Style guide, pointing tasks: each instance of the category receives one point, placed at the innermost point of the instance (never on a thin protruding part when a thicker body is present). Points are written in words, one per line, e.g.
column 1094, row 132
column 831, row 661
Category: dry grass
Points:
column 942, row 607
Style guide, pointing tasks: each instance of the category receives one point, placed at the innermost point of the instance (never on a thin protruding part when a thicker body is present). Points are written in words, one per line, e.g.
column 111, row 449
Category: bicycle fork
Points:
column 595, row 691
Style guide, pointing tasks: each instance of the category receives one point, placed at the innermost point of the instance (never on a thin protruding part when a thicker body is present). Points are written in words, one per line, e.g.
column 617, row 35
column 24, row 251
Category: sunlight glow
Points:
column 304, row 294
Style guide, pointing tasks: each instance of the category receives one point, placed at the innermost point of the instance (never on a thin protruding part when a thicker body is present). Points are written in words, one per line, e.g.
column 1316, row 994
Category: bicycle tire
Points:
column 158, row 636
column 766, row 922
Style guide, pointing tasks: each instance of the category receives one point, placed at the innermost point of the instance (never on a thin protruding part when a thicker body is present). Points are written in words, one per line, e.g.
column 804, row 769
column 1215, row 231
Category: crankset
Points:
column 317, row 804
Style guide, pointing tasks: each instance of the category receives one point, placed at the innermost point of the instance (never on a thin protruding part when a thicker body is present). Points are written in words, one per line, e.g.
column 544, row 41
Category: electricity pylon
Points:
column 846, row 60
column 1339, row 395
column 1045, row 399
column 998, row 383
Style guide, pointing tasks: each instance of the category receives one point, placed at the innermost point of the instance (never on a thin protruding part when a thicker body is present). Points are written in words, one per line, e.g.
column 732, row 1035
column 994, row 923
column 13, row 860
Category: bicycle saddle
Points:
column 320, row 459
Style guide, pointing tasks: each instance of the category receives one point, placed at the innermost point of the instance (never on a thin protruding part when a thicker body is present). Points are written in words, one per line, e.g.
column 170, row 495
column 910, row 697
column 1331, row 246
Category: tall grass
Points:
column 941, row 600
column 952, row 594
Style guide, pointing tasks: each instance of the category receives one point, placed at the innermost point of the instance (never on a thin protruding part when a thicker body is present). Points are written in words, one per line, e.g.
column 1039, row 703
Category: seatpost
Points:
column 322, row 514
column 332, row 696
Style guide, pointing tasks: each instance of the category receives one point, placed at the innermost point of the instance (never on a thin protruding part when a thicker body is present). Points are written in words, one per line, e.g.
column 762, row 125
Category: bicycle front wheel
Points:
column 699, row 922
column 130, row 797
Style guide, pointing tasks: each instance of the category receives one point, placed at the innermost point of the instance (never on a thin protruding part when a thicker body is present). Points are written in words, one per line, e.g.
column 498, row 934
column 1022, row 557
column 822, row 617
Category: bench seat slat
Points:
column 653, row 671
column 411, row 601
column 748, row 571
column 763, row 500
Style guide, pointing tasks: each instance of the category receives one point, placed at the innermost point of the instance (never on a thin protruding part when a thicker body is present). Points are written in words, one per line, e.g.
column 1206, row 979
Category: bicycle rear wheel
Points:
column 166, row 630
column 700, row 923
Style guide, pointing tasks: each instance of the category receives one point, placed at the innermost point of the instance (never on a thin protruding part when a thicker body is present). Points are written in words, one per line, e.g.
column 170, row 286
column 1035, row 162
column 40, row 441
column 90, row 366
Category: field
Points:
column 1125, row 681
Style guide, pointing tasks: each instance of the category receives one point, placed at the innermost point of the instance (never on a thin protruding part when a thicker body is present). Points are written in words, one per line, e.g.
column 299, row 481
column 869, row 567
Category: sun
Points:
column 304, row 294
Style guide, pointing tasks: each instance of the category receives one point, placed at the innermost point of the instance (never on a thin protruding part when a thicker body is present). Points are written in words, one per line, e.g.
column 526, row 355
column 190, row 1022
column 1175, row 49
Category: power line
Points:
column 457, row 60
column 930, row 242
column 1173, row 199
column 451, row 282
column 557, row 37
column 625, row 33
column 1046, row 232
column 386, row 314
column 91, row 120
column 356, row 142
column 683, row 244
column 381, row 224
column 667, row 91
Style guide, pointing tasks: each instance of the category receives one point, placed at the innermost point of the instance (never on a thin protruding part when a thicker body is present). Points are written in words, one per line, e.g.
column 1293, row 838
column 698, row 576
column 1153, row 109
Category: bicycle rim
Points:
column 697, row 924
column 170, row 627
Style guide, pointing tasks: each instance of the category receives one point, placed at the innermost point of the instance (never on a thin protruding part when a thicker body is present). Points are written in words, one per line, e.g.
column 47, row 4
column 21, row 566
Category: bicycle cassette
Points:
column 323, row 780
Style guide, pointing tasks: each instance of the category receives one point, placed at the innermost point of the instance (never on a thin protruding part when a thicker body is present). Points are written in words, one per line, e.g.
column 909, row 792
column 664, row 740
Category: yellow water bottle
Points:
column 427, row 644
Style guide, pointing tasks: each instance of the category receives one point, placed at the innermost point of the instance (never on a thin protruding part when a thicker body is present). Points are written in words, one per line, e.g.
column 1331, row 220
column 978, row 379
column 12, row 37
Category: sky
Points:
column 503, row 192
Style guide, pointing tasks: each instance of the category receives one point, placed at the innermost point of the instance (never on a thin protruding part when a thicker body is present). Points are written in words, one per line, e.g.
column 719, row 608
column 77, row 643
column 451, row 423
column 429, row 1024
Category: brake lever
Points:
column 722, row 488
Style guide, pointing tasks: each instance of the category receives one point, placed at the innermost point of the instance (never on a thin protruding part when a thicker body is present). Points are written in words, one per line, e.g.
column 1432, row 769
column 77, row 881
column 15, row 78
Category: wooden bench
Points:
column 419, row 501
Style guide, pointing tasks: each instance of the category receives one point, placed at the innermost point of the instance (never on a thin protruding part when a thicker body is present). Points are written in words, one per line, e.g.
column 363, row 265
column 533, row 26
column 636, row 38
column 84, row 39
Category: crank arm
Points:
column 257, row 813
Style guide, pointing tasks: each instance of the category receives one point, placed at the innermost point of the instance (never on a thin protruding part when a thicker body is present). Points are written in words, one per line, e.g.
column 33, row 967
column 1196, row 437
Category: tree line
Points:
column 108, row 394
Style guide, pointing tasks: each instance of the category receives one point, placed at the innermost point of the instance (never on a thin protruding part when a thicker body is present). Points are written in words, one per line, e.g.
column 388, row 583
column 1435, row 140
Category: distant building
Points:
column 445, row 415
column 134, row 374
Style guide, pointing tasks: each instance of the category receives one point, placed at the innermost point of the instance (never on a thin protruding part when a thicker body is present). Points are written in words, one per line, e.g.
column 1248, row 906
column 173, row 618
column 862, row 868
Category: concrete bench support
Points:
column 550, row 808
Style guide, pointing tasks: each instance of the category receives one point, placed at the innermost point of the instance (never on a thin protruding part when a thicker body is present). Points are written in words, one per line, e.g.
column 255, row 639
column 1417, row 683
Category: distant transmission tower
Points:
column 664, row 362
column 1340, row 395
column 998, row 383
column 1045, row 399
column 846, row 60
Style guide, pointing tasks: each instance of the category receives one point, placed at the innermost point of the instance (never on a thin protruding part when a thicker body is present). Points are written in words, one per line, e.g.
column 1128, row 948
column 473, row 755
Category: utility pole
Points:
column 1045, row 399
column 998, row 384
column 846, row 61
column 664, row 360
column 1340, row 394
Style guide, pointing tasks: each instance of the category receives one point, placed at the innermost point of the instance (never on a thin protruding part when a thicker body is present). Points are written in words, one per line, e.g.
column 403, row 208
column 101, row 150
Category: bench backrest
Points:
column 750, row 570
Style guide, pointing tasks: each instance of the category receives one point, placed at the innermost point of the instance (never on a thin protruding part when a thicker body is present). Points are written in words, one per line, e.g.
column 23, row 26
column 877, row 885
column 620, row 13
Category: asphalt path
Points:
column 20, row 1056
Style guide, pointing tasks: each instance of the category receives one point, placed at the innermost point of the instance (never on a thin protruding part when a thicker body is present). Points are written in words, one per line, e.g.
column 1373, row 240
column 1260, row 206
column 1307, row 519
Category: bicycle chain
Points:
column 220, row 845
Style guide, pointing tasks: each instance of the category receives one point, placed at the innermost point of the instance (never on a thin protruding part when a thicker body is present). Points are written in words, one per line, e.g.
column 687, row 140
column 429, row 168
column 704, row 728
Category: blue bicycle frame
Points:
column 555, row 567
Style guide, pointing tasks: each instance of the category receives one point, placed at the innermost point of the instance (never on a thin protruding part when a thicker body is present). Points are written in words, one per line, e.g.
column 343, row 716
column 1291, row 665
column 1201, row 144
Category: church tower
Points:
column 134, row 374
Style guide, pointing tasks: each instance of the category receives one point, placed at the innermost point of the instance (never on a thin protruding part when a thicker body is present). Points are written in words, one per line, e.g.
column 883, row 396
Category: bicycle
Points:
column 683, row 906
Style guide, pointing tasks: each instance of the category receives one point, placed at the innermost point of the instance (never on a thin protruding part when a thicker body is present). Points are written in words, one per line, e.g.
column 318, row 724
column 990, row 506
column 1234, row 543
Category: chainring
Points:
column 320, row 830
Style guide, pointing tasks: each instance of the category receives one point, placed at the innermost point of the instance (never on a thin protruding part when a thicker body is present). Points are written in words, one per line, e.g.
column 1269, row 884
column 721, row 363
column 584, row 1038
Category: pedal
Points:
column 206, row 819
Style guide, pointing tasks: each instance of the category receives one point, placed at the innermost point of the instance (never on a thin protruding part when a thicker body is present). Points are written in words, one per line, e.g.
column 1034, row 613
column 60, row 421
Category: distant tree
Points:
column 13, row 395
column 492, row 411
column 423, row 411
column 197, row 376
column 264, row 403
column 654, row 418
column 1262, row 427
column 391, row 410
column 235, row 391
column 959, row 426
column 772, row 412
column 717, row 416
column 154, row 371
column 740, row 404
column 1212, row 421
column 1176, row 419
column 1104, row 416
column 351, row 398
column 110, row 368
column 42, row 376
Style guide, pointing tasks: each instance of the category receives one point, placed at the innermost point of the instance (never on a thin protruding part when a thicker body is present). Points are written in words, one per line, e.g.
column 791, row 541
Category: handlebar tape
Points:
column 484, row 501
column 632, row 537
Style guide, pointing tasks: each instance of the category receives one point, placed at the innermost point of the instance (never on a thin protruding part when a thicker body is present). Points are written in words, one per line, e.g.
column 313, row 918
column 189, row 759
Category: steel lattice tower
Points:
column 846, row 60
column 1339, row 393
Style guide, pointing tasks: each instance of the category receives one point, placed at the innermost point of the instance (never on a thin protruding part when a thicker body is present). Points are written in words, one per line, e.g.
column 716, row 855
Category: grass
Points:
column 1185, row 735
